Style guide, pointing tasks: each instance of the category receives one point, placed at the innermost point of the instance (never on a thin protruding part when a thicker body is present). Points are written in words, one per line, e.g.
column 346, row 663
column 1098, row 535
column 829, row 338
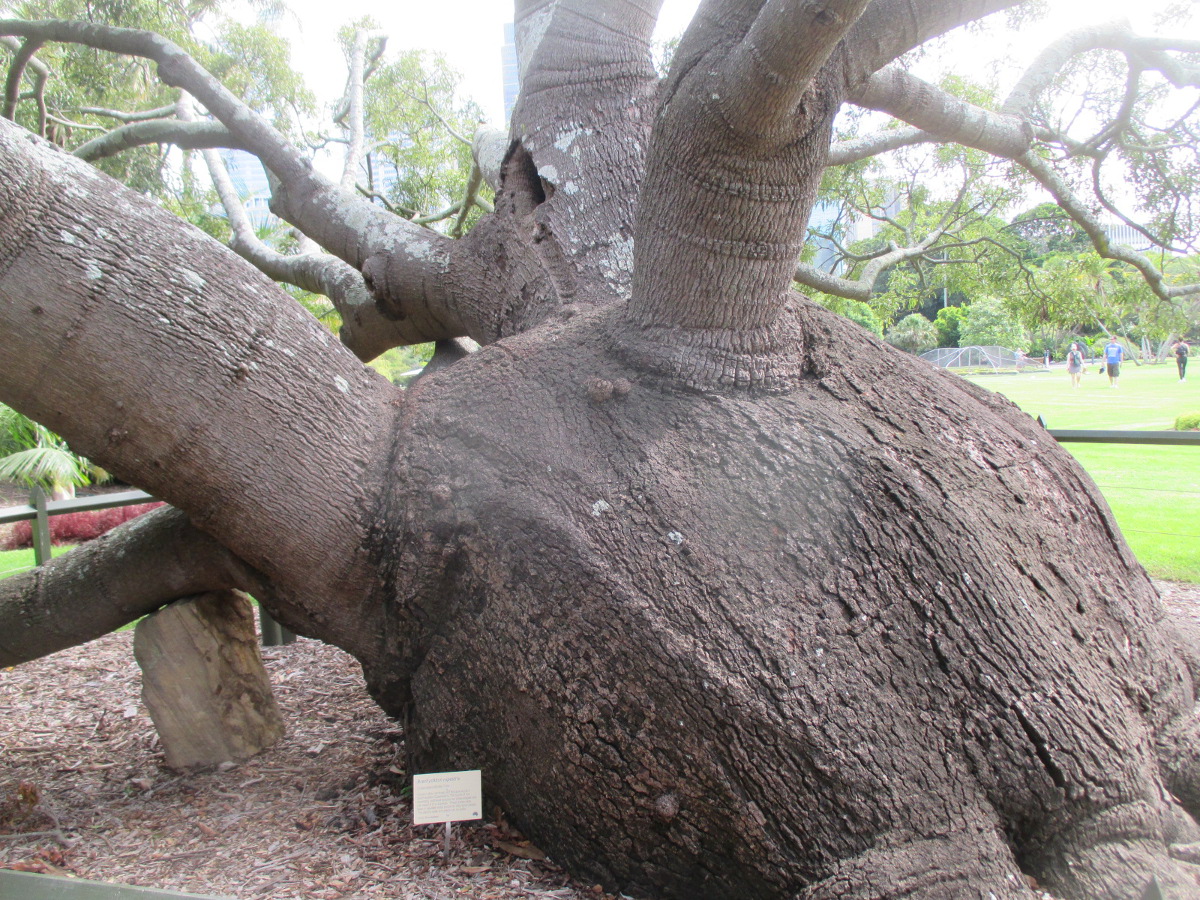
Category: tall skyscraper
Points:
column 510, row 70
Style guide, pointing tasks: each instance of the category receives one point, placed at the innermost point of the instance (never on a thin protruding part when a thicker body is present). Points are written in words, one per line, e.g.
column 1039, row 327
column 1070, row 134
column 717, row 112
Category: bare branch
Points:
column 1110, row 35
column 16, row 71
column 354, row 108
column 890, row 28
column 452, row 210
column 473, row 182
column 68, row 123
column 161, row 112
column 364, row 331
column 860, row 288
column 846, row 152
column 1065, row 197
column 489, row 148
column 187, row 135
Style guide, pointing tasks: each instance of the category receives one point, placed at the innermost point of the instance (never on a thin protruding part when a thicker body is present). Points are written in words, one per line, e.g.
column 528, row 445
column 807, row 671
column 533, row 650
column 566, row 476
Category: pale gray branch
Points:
column 1090, row 223
column 931, row 109
column 489, row 149
column 364, row 331
column 860, row 288
column 851, row 151
column 890, row 28
column 1119, row 36
column 162, row 112
column 399, row 259
column 187, row 135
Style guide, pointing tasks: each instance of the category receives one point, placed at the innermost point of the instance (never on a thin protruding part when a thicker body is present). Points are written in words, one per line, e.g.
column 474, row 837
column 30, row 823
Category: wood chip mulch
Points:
column 325, row 814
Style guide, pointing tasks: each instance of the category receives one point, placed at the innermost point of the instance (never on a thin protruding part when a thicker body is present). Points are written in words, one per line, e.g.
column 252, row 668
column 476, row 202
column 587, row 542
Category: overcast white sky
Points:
column 471, row 32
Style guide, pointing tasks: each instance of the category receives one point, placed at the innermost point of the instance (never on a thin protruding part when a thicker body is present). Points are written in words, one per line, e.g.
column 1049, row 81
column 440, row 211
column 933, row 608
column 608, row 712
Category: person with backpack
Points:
column 1075, row 364
column 1182, row 349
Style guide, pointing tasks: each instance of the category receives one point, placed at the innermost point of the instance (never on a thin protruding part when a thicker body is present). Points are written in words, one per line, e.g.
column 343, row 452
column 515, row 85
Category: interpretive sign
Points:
column 447, row 797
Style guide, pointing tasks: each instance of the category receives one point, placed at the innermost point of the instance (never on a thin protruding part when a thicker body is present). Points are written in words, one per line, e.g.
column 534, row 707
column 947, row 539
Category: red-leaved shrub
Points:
column 75, row 528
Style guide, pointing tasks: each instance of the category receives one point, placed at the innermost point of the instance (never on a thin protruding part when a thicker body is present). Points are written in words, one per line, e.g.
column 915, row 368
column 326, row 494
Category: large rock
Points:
column 204, row 683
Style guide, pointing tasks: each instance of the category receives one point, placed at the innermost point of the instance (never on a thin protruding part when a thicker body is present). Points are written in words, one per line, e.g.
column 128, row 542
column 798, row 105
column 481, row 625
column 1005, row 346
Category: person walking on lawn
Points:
column 1113, row 354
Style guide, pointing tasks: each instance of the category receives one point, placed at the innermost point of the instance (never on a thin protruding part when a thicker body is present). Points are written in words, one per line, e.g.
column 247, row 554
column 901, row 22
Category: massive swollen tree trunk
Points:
column 725, row 598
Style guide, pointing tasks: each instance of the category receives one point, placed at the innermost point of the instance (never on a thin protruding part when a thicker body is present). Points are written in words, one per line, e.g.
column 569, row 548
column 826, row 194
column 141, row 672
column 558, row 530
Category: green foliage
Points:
column 1188, row 422
column 854, row 310
column 395, row 364
column 255, row 63
column 251, row 59
column 988, row 323
column 914, row 334
column 420, row 130
column 948, row 322
column 37, row 456
column 1047, row 229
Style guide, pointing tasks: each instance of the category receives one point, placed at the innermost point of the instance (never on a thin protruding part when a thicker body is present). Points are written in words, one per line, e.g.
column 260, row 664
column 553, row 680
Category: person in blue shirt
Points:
column 1113, row 354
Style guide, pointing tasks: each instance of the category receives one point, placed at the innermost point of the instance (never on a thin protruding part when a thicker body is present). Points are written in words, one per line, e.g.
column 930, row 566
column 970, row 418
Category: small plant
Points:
column 17, row 805
column 1188, row 422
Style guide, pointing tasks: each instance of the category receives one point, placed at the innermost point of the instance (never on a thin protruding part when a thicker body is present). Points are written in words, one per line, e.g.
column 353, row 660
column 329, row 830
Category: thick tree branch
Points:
column 364, row 331
column 1151, row 53
column 112, row 581
column 103, row 338
column 187, row 135
column 764, row 76
column 354, row 108
column 400, row 261
column 568, row 176
column 890, row 28
column 931, row 109
column 488, row 148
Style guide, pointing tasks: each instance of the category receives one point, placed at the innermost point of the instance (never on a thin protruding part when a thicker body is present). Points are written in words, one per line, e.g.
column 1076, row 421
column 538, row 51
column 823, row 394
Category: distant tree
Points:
column 949, row 323
column 989, row 323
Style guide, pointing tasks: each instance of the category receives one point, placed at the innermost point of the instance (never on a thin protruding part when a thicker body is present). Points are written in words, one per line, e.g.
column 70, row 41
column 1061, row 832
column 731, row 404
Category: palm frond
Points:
column 46, row 466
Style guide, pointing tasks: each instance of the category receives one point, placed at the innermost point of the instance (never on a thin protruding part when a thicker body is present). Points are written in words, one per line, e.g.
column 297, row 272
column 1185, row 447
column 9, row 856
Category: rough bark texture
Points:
column 204, row 683
column 714, row 644
column 726, row 598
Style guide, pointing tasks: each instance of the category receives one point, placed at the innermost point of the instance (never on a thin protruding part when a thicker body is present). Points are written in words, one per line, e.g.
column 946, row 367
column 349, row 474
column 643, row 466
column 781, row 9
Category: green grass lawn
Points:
column 1154, row 492
column 14, row 561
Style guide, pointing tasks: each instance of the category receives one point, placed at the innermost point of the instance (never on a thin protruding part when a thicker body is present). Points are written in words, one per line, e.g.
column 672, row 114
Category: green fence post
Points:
column 270, row 629
column 40, row 526
column 273, row 634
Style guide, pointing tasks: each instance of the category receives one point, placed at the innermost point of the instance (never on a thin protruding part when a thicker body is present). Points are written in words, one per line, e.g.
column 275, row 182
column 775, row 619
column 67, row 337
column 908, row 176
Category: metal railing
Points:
column 40, row 509
column 1078, row 436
